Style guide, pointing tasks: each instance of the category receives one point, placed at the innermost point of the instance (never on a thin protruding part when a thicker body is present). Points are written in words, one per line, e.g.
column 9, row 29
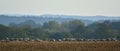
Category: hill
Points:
column 7, row 19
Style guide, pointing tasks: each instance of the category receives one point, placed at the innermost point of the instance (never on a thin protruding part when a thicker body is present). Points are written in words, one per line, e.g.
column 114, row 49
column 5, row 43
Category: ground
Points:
column 61, row 46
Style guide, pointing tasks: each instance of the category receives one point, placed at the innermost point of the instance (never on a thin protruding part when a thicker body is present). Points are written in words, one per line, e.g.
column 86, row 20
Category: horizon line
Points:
column 54, row 15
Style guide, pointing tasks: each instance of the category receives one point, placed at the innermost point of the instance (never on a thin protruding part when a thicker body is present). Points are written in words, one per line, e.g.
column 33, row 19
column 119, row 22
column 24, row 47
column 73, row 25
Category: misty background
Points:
column 61, row 7
column 59, row 19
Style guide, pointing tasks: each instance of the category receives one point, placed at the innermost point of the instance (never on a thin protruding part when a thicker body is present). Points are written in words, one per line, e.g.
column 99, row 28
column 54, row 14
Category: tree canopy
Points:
column 56, row 30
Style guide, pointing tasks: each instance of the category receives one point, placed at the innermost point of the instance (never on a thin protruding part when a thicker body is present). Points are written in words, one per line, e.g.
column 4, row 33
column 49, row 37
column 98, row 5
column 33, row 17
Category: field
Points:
column 60, row 46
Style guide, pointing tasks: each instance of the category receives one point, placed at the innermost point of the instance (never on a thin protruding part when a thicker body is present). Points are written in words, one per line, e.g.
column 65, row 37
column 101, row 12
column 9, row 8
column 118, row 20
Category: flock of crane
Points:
column 64, row 39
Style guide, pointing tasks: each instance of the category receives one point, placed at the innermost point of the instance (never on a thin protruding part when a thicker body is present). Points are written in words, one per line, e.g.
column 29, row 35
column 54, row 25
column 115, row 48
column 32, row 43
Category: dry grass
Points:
column 60, row 46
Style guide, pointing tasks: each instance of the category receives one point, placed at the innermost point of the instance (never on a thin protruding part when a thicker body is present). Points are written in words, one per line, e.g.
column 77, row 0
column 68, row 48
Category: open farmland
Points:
column 61, row 46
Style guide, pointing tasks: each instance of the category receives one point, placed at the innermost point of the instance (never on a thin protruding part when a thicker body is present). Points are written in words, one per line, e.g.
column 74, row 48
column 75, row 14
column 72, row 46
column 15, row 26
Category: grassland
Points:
column 60, row 46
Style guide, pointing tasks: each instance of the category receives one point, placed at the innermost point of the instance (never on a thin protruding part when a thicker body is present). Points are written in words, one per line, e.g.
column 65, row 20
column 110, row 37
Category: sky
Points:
column 61, row 7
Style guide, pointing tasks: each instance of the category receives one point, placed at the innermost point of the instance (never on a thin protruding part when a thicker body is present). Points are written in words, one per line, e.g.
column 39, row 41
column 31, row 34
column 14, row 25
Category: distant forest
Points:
column 54, row 30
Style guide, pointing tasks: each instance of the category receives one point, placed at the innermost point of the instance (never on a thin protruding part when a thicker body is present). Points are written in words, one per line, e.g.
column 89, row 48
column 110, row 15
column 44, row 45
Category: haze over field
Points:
column 61, row 7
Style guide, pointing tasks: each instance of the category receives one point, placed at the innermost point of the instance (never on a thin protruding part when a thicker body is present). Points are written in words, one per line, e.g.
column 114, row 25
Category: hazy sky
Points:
column 66, row 7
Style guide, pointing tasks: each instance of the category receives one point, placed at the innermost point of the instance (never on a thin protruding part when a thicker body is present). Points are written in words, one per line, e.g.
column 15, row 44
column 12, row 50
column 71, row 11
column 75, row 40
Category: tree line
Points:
column 55, row 30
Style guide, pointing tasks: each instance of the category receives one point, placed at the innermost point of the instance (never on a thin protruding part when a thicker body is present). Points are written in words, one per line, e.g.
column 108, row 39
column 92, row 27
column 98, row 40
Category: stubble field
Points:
column 60, row 46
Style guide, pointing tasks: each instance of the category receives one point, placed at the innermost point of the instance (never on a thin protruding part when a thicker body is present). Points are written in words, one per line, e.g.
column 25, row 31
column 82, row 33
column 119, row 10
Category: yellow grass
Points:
column 60, row 46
